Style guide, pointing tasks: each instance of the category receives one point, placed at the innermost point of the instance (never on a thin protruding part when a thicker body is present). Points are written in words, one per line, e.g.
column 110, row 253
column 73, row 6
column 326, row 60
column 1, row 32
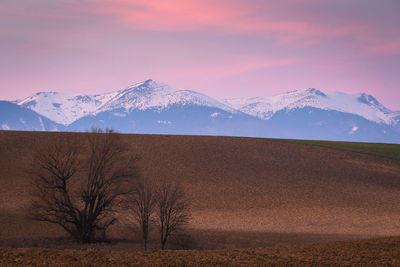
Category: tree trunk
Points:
column 163, row 241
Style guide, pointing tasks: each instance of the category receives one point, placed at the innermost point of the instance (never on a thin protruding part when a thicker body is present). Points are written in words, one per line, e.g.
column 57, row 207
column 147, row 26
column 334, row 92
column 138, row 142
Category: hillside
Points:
column 245, row 192
column 390, row 151
column 375, row 252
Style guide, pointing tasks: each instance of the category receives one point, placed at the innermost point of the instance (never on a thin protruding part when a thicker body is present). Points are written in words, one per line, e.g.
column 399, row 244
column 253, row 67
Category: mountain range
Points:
column 155, row 108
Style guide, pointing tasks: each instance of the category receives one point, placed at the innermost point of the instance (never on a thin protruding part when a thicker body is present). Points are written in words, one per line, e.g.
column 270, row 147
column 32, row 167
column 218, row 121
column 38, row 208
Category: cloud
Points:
column 176, row 15
column 288, row 23
column 243, row 64
column 292, row 23
column 221, row 44
column 218, row 16
column 224, row 66
column 385, row 48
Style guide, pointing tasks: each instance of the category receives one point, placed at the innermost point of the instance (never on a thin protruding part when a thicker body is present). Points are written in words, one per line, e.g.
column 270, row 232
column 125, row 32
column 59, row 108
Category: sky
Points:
column 222, row 48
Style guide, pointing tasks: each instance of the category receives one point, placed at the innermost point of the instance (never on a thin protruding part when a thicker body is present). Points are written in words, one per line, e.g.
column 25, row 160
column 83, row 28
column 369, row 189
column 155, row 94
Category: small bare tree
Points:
column 79, row 184
column 172, row 210
column 142, row 205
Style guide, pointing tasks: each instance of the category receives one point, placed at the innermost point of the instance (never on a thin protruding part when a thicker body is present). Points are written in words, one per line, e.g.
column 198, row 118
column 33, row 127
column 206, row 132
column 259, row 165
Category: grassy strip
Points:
column 390, row 151
column 374, row 252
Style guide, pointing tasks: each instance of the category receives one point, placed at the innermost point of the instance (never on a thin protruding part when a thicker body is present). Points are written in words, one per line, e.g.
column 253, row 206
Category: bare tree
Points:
column 172, row 210
column 79, row 184
column 142, row 205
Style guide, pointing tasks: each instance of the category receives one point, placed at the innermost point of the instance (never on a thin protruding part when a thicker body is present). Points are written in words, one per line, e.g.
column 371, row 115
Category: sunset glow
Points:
column 223, row 48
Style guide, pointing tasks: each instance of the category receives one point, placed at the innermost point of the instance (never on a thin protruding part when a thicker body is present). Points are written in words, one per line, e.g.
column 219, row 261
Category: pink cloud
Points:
column 219, row 44
column 236, row 17
column 222, row 66
column 236, row 65
column 172, row 15
column 385, row 48
column 190, row 15
column 271, row 19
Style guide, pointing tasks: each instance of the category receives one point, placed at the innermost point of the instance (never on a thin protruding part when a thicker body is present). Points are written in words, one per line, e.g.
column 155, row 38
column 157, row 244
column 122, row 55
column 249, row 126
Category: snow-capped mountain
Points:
column 362, row 105
column 65, row 109
column 395, row 116
column 152, row 107
column 153, row 95
column 14, row 117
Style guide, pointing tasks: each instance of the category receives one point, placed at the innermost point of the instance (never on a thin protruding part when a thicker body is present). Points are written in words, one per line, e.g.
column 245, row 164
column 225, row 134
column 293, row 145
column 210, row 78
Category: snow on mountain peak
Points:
column 359, row 104
column 65, row 108
column 315, row 92
column 60, row 107
column 265, row 107
column 147, row 86
column 151, row 94
column 372, row 101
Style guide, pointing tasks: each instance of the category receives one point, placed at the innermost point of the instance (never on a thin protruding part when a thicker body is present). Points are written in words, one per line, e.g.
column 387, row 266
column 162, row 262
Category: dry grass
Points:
column 237, row 186
column 376, row 252
column 390, row 151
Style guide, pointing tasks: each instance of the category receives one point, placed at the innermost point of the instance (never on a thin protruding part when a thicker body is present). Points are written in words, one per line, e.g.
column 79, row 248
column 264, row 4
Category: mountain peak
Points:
column 368, row 99
column 47, row 94
column 372, row 101
column 315, row 92
column 147, row 86
column 304, row 93
column 146, row 83
column 149, row 94
column 363, row 105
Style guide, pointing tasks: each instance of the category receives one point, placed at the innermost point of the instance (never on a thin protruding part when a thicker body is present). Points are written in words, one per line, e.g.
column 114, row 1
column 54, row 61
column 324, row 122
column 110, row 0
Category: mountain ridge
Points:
column 157, row 108
column 359, row 104
column 150, row 93
column 142, row 95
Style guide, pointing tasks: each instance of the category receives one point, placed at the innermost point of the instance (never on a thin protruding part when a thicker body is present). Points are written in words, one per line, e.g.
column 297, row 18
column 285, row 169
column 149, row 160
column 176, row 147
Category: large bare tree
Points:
column 142, row 203
column 80, row 180
column 173, row 211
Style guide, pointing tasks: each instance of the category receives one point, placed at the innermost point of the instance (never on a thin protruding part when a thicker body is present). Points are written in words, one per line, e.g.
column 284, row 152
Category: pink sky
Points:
column 223, row 48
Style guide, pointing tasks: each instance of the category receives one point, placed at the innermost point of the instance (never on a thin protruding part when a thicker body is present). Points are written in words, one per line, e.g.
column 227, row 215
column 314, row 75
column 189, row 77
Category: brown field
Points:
column 375, row 252
column 245, row 192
